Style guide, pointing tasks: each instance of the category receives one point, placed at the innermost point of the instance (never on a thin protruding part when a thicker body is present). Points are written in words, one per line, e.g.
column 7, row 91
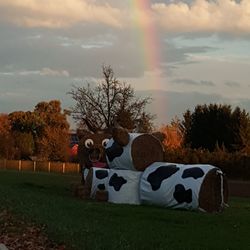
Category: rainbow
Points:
column 146, row 33
column 148, row 41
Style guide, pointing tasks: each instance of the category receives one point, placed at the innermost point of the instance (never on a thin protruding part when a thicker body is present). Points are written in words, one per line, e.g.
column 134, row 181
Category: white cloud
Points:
column 204, row 16
column 230, row 16
column 42, row 72
column 58, row 14
column 51, row 72
column 6, row 73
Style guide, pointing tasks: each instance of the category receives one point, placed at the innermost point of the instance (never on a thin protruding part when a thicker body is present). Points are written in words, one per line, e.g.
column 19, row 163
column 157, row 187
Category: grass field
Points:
column 46, row 199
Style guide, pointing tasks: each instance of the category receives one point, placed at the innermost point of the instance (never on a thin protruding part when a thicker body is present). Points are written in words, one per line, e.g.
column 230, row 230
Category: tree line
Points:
column 44, row 132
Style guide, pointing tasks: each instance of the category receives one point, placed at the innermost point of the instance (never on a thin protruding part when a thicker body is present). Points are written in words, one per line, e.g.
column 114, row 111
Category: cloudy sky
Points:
column 179, row 52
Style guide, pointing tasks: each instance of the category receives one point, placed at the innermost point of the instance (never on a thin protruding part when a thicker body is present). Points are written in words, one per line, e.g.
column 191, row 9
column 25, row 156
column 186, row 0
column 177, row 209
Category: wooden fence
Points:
column 40, row 166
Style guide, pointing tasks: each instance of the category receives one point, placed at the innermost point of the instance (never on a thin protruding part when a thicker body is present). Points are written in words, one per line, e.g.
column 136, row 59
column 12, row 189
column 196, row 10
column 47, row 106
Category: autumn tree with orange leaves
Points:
column 53, row 143
column 7, row 149
column 43, row 133
column 173, row 134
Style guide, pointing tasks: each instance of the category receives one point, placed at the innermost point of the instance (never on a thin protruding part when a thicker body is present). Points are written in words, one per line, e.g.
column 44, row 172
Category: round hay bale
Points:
column 192, row 187
column 101, row 195
column 145, row 150
column 213, row 192
column 141, row 151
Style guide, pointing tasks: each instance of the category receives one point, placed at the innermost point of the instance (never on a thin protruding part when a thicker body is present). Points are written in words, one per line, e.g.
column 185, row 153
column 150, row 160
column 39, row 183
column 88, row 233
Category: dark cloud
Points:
column 232, row 84
column 187, row 81
column 173, row 54
column 173, row 57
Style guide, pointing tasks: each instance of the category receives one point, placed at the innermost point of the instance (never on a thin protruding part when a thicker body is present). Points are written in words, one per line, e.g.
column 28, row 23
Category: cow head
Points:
column 91, row 149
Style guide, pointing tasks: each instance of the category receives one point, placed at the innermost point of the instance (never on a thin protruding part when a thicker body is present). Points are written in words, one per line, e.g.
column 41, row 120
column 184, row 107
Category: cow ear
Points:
column 159, row 135
column 121, row 136
column 81, row 133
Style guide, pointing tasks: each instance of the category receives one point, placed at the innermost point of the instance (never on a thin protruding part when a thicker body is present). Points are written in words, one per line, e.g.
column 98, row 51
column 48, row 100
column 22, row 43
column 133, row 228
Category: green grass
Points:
column 46, row 199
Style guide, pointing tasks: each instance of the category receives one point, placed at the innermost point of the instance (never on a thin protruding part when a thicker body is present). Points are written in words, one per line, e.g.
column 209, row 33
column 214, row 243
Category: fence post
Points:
column 34, row 166
column 5, row 164
column 63, row 168
column 49, row 166
column 78, row 168
column 19, row 165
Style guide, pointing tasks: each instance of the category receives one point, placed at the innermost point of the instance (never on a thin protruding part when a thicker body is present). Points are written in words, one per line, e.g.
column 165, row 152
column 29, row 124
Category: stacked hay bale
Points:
column 140, row 151
column 192, row 187
column 138, row 175
column 127, row 155
column 123, row 186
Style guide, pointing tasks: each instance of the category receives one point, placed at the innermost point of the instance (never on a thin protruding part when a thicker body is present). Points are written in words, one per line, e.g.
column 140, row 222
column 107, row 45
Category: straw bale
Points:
column 101, row 195
column 210, row 196
column 145, row 150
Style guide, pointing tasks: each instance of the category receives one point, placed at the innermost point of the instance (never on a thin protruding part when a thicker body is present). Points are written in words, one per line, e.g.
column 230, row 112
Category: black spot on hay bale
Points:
column 182, row 195
column 114, row 151
column 161, row 174
column 194, row 172
column 117, row 182
column 101, row 174
column 101, row 187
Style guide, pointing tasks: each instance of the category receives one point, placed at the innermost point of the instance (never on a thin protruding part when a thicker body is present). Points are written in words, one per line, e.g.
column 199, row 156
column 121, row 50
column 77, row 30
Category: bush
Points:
column 234, row 165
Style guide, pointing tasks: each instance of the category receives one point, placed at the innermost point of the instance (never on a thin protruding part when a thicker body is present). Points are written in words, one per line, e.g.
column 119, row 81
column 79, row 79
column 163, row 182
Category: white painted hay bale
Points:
column 123, row 186
column 141, row 151
column 178, row 186
column 99, row 180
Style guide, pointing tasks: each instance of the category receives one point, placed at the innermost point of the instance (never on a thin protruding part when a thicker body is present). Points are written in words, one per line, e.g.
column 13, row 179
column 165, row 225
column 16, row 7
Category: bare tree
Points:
column 110, row 101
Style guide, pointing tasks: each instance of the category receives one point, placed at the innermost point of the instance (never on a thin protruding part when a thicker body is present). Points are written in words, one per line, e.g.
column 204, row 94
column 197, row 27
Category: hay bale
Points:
column 96, row 179
column 99, row 181
column 101, row 195
column 213, row 192
column 123, row 186
column 141, row 151
column 192, row 187
column 80, row 191
column 145, row 150
column 85, row 172
column 83, row 193
column 88, row 180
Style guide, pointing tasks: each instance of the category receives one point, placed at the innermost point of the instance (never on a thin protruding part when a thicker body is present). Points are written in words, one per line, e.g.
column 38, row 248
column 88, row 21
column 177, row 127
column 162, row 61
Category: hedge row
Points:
column 234, row 165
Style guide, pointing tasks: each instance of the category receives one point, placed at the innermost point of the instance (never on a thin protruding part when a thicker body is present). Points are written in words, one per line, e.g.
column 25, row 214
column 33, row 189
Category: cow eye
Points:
column 89, row 143
column 105, row 142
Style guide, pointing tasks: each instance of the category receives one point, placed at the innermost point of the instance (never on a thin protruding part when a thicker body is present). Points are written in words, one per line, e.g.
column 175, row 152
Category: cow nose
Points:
column 95, row 152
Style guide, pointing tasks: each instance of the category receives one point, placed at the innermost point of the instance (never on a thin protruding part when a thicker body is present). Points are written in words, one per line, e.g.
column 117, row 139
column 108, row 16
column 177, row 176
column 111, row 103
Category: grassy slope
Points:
column 46, row 199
